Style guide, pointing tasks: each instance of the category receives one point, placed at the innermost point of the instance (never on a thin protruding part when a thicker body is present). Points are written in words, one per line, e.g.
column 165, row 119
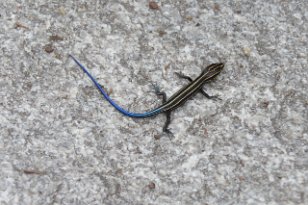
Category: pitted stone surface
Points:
column 61, row 143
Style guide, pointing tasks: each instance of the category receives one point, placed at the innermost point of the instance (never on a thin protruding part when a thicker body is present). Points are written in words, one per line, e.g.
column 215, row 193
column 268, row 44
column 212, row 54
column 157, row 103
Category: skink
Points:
column 176, row 100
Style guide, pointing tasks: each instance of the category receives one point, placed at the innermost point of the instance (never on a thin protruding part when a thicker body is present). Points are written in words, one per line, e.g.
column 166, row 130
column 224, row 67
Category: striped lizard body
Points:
column 176, row 100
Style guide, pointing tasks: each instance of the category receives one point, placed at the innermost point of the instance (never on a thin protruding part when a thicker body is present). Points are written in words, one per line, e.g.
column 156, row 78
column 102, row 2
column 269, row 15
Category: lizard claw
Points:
column 155, row 87
column 167, row 131
column 215, row 97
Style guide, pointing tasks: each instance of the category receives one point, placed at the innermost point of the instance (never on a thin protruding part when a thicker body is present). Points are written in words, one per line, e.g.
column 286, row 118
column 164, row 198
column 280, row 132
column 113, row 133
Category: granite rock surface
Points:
column 61, row 143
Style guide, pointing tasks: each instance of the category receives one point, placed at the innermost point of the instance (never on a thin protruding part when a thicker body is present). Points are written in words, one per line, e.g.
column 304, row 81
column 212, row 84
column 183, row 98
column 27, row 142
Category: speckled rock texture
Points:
column 61, row 143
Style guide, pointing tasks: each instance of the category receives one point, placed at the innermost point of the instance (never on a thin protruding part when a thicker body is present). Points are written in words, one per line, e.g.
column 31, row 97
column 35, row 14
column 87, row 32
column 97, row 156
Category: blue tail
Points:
column 116, row 106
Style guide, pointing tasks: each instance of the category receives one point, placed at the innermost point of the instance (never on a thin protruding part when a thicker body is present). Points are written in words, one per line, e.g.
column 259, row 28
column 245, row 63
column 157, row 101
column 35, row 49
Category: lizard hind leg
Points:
column 167, row 123
column 159, row 93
